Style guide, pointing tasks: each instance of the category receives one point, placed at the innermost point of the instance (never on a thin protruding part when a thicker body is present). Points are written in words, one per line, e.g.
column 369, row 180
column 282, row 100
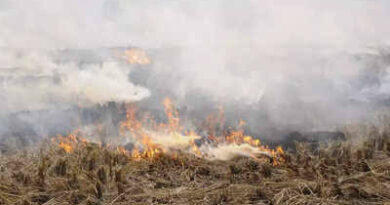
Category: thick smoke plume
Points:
column 305, row 65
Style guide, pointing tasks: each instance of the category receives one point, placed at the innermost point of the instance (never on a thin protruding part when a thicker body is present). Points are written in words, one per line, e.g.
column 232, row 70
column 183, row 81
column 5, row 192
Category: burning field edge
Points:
column 347, row 172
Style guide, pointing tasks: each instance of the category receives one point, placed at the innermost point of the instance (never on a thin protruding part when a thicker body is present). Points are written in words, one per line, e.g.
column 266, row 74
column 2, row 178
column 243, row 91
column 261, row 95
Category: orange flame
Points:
column 172, row 115
column 136, row 56
column 153, row 139
column 152, row 148
column 67, row 147
column 69, row 143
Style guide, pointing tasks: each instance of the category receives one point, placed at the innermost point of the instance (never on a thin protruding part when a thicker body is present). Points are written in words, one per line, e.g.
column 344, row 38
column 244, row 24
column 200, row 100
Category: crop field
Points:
column 339, row 173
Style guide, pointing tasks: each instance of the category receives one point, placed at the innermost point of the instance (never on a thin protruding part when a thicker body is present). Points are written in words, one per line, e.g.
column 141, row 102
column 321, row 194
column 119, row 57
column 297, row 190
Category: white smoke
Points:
column 230, row 151
column 33, row 81
column 295, row 61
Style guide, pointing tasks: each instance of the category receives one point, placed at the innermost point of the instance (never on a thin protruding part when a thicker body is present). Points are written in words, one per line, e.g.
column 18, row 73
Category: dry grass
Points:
column 342, row 173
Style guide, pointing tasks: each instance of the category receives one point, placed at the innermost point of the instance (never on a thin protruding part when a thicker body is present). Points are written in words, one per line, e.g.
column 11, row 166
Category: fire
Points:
column 131, row 123
column 135, row 154
column 236, row 142
column 194, row 147
column 69, row 142
column 214, row 124
column 172, row 115
column 156, row 138
column 136, row 56
column 151, row 138
column 122, row 150
column 67, row 147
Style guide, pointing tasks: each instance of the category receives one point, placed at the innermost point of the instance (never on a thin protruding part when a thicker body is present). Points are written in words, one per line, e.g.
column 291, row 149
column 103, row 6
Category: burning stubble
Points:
column 150, row 139
column 281, row 67
column 191, row 102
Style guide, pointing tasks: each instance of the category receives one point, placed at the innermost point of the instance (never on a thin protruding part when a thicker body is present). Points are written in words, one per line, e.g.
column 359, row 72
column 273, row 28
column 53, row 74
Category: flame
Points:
column 172, row 115
column 151, row 139
column 135, row 127
column 156, row 138
column 136, row 56
column 67, row 147
column 131, row 123
column 69, row 142
column 136, row 155
column 122, row 150
column 215, row 123
column 194, row 147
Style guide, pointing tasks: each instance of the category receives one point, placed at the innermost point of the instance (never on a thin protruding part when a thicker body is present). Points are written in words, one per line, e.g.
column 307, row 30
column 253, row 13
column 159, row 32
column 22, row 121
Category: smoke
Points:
column 227, row 152
column 305, row 66
column 32, row 81
column 290, row 65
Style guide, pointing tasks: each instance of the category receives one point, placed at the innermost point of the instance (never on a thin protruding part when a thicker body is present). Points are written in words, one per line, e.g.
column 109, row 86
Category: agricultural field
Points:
column 340, row 173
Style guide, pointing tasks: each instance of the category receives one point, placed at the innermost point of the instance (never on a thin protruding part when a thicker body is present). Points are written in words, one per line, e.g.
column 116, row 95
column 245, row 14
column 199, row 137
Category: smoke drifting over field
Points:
column 289, row 65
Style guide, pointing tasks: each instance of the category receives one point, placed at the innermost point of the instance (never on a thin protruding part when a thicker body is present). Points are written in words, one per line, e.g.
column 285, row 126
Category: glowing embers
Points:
column 136, row 56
